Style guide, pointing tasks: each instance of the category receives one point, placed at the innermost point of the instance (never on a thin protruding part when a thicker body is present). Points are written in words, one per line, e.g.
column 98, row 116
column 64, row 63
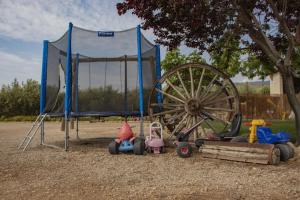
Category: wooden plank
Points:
column 242, row 152
column 237, row 154
column 237, row 148
column 239, row 144
column 240, row 159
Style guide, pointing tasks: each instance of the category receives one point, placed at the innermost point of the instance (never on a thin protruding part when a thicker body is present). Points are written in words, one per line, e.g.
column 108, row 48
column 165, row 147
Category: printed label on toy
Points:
column 106, row 34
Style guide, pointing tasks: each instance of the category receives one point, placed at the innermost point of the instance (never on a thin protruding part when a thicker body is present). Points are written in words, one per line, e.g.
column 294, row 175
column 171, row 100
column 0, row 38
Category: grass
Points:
column 286, row 126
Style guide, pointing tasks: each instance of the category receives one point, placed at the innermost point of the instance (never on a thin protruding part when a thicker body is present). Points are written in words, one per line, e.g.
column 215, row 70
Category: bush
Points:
column 20, row 99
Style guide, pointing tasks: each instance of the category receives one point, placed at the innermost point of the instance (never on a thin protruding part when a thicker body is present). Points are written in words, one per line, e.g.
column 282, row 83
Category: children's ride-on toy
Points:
column 261, row 134
column 184, row 147
column 154, row 142
column 126, row 142
column 265, row 136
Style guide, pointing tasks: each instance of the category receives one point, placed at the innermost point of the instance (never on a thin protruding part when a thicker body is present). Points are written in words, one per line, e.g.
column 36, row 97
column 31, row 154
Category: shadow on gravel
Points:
column 85, row 144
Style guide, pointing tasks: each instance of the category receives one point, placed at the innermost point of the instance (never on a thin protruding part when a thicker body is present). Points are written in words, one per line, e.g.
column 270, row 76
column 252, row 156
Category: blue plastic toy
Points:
column 125, row 146
column 265, row 136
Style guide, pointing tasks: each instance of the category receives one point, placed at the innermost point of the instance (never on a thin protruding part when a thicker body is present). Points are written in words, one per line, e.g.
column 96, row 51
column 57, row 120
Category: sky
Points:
column 24, row 24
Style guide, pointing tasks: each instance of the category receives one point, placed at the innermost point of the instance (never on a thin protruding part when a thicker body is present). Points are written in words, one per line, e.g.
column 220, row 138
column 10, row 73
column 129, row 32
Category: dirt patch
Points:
column 88, row 171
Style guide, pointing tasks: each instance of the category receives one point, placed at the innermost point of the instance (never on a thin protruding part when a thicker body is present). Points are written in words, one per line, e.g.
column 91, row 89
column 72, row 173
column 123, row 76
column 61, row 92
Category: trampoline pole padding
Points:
column 140, row 75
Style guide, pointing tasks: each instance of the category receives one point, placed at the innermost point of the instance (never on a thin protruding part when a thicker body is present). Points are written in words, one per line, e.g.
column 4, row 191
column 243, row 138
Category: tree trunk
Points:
column 288, row 85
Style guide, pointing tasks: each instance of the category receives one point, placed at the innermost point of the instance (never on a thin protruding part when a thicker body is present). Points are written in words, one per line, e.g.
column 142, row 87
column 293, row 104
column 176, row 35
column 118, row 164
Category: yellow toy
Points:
column 254, row 123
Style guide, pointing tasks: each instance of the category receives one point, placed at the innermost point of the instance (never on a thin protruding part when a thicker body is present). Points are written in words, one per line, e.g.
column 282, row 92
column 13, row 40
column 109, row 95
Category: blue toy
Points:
column 265, row 136
column 125, row 146
column 126, row 142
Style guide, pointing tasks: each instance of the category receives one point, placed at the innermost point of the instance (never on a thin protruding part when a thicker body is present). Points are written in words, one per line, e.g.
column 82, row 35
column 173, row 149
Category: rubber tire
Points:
column 184, row 145
column 275, row 156
column 199, row 143
column 113, row 148
column 291, row 148
column 163, row 150
column 240, row 138
column 284, row 152
column 139, row 146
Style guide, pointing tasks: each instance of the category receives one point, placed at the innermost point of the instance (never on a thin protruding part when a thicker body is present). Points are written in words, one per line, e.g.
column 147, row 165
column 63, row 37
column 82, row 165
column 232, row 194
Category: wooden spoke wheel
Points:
column 191, row 93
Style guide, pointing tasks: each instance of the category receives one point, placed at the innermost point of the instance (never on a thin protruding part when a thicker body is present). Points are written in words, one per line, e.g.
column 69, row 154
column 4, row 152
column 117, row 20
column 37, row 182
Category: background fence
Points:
column 265, row 106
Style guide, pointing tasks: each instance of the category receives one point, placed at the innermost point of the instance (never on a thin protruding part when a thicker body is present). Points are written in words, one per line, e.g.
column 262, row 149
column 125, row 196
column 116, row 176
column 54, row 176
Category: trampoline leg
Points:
column 77, row 130
column 42, row 134
column 62, row 125
column 66, row 134
column 72, row 123
column 142, row 127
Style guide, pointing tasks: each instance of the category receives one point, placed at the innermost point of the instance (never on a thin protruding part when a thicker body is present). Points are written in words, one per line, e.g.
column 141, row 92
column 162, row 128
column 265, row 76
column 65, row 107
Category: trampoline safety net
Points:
column 104, row 73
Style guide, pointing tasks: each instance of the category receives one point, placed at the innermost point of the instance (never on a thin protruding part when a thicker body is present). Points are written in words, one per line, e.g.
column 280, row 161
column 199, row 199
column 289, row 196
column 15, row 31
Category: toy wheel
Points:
column 148, row 150
column 284, row 152
column 240, row 138
column 113, row 147
column 139, row 146
column 291, row 148
column 199, row 143
column 275, row 156
column 184, row 149
column 163, row 150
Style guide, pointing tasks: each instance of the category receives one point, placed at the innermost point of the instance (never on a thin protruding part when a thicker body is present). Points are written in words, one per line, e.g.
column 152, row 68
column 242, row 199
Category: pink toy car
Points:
column 154, row 142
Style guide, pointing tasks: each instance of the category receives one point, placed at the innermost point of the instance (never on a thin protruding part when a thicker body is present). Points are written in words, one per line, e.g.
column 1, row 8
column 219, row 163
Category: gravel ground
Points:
column 88, row 171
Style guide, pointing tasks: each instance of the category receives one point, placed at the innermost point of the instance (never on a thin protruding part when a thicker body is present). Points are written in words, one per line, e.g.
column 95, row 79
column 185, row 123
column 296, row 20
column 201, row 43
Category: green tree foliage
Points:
column 20, row 99
column 225, row 54
column 174, row 58
column 265, row 90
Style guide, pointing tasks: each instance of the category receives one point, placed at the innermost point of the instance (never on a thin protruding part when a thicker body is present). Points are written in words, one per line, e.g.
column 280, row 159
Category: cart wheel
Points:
column 284, row 152
column 139, row 146
column 275, row 156
column 240, row 138
column 113, row 147
column 184, row 149
column 291, row 148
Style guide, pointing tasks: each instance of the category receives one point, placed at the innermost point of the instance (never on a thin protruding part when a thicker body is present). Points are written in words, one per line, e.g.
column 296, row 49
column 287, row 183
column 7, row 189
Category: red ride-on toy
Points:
column 126, row 142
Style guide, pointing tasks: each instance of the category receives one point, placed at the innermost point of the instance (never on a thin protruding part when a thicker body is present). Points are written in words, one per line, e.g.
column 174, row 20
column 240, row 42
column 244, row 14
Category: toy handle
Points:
column 155, row 126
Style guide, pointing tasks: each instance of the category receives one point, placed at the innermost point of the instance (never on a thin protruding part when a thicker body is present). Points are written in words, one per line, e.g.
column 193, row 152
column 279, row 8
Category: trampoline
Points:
column 98, row 73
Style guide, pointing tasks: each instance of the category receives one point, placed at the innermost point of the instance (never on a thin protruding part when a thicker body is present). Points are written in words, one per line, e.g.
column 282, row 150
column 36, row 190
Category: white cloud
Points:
column 35, row 21
column 14, row 66
column 38, row 20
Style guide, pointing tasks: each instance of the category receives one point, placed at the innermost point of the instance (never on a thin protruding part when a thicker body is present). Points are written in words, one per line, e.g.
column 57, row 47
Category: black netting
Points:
column 55, row 88
column 101, row 86
column 104, row 72
column 149, row 77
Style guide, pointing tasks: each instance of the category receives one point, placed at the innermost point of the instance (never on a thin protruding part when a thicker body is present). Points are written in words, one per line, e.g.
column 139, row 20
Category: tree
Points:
column 19, row 99
column 225, row 54
column 174, row 58
column 269, row 29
